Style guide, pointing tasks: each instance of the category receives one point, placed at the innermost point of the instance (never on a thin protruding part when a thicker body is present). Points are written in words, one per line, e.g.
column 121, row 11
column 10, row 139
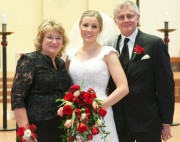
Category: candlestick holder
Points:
column 166, row 32
column 4, row 45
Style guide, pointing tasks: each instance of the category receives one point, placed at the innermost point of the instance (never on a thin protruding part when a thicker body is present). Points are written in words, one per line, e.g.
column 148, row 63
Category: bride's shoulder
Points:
column 71, row 52
column 108, row 49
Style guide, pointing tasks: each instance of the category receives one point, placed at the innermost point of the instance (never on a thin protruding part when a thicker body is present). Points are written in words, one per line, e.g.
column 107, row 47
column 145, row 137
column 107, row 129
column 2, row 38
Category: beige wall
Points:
column 24, row 16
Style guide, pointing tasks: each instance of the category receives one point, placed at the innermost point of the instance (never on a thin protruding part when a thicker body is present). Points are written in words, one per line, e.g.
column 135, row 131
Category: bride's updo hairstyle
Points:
column 93, row 13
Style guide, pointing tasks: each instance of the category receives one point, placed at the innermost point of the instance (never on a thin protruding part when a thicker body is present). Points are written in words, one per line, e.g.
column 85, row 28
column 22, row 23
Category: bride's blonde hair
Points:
column 93, row 13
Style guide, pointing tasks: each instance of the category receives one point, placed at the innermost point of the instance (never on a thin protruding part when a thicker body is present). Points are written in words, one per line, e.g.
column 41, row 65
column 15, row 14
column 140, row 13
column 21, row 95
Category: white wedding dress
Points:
column 94, row 73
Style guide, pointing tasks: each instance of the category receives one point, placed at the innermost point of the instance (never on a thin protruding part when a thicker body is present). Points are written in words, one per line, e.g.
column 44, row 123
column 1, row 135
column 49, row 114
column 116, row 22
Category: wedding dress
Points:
column 94, row 73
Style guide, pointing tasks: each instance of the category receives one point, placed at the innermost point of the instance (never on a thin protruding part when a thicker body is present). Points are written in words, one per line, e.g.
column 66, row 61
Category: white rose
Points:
column 68, row 103
column 76, row 94
column 95, row 105
column 83, row 116
column 68, row 123
column 27, row 134
column 99, row 122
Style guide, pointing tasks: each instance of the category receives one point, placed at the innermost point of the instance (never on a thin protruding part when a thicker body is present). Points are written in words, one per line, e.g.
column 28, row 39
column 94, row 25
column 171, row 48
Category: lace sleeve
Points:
column 22, row 81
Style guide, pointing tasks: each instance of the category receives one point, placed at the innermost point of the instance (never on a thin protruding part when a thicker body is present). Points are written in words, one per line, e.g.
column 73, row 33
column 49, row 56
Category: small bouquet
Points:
column 83, row 115
column 24, row 134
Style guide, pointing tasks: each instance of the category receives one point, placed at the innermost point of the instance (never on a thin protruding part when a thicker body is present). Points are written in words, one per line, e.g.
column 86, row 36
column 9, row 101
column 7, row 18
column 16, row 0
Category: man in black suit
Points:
column 146, row 113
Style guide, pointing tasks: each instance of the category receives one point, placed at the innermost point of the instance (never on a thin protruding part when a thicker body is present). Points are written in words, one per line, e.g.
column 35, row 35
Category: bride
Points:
column 92, row 63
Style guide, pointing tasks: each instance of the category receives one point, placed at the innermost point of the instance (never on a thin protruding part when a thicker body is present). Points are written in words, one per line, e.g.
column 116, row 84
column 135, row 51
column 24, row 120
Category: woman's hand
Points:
column 31, row 140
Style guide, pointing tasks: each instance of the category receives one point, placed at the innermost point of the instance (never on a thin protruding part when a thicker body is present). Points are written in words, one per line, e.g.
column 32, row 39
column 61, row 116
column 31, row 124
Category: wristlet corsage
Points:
column 24, row 134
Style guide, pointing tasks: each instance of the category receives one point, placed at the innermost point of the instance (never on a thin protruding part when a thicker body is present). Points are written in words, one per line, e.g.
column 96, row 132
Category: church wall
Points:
column 24, row 16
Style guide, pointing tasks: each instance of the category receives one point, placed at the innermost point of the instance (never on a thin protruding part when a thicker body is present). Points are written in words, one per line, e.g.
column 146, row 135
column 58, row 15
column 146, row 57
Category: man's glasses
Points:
column 58, row 39
column 128, row 16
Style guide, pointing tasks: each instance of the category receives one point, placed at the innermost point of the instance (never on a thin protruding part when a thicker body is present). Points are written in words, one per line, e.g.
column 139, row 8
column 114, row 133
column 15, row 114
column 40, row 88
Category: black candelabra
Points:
column 4, row 74
column 166, row 32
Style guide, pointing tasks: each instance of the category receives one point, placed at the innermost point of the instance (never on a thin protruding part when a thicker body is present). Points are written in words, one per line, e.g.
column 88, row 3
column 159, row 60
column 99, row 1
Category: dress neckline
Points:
column 95, row 57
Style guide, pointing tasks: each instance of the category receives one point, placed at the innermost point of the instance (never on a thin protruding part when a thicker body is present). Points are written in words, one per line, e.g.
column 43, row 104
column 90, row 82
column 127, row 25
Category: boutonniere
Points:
column 137, row 51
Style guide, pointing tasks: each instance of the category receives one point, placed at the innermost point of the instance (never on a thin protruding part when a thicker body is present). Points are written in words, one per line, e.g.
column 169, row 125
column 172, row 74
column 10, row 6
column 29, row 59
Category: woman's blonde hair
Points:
column 48, row 26
column 93, row 13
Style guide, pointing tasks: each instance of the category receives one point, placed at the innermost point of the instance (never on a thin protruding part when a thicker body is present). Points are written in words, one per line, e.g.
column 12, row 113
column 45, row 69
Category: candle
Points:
column 166, row 18
column 166, row 25
column 4, row 19
column 4, row 22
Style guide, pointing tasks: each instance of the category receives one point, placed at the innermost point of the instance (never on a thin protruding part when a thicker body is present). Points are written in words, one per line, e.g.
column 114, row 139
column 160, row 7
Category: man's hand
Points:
column 166, row 132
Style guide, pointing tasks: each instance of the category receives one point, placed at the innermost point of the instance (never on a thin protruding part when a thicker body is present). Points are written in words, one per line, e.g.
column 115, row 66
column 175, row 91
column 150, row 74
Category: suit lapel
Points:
column 138, row 41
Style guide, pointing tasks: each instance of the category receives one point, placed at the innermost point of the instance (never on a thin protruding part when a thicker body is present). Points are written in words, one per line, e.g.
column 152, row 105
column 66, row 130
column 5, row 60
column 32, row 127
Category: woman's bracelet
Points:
column 24, row 134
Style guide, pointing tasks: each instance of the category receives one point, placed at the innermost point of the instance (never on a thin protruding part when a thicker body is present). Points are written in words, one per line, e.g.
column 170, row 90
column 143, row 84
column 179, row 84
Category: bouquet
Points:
column 83, row 115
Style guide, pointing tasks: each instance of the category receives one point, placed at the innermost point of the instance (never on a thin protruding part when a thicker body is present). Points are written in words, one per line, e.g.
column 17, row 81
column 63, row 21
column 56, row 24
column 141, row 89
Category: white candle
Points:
column 4, row 22
column 166, row 18
column 4, row 19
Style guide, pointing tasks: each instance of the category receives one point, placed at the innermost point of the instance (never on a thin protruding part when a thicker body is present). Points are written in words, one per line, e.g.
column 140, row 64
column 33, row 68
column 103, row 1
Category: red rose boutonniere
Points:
column 82, row 115
column 137, row 51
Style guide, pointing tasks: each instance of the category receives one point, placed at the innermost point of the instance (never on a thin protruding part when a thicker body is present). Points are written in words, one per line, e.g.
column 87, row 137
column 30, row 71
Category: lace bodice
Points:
column 92, row 73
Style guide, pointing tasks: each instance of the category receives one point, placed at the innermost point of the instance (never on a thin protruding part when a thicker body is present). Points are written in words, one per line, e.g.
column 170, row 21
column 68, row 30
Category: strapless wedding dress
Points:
column 94, row 73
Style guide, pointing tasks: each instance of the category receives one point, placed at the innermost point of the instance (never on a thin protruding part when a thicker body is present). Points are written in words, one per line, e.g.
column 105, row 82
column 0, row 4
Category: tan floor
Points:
column 9, row 136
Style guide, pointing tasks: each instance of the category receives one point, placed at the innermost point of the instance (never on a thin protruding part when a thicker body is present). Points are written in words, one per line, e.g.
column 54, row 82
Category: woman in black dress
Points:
column 40, row 79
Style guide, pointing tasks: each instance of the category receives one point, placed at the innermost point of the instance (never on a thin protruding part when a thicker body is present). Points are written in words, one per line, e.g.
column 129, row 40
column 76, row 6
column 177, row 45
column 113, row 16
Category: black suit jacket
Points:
column 150, row 101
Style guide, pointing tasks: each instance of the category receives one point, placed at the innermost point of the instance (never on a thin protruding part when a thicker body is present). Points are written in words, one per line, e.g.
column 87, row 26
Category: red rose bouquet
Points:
column 137, row 51
column 83, row 115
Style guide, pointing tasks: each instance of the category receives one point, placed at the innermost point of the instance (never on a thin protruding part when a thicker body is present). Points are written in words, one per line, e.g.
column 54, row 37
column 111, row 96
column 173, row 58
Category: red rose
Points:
column 90, row 90
column 74, row 88
column 95, row 130
column 75, row 122
column 81, row 103
column 89, row 98
column 32, row 127
column 68, row 96
column 89, row 136
column 82, row 128
column 138, row 49
column 102, row 112
column 68, row 110
column 81, row 96
column 71, row 139
column 78, row 111
column 75, row 99
column 20, row 131
column 87, row 110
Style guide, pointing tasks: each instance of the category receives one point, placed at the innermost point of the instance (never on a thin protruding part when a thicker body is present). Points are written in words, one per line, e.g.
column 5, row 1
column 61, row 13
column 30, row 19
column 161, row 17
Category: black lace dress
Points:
column 36, row 86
